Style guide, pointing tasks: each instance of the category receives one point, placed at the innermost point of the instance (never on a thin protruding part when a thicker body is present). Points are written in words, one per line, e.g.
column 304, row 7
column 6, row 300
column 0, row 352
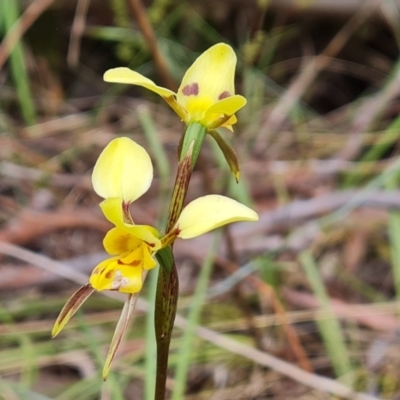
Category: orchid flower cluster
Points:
column 124, row 172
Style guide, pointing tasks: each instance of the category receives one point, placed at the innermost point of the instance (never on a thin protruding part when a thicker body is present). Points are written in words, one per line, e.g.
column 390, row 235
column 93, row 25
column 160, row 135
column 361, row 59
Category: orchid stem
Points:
column 168, row 284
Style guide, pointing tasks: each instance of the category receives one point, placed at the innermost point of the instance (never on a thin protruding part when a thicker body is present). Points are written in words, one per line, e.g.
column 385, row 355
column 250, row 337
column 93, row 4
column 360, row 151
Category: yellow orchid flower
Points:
column 206, row 94
column 123, row 173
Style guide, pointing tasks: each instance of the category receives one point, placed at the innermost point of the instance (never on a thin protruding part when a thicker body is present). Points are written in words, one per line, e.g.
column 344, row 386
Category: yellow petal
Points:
column 228, row 124
column 119, row 332
column 210, row 212
column 141, row 256
column 119, row 241
column 111, row 274
column 126, row 75
column 209, row 80
column 112, row 210
column 71, row 307
column 123, row 170
column 217, row 114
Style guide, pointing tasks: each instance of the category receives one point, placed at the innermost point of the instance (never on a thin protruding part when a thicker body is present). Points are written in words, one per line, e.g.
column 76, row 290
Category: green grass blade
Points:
column 9, row 15
column 385, row 141
column 394, row 238
column 329, row 326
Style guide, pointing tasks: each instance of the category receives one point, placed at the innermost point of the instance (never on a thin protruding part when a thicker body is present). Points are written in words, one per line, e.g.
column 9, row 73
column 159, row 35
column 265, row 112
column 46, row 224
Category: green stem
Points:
column 165, row 310
column 195, row 133
column 168, row 284
column 191, row 145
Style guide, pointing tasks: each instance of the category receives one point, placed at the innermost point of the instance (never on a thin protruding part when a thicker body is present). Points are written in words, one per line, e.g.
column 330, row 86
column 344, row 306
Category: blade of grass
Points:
column 392, row 183
column 15, row 391
column 26, row 348
column 385, row 141
column 9, row 15
column 155, row 144
column 329, row 328
column 189, row 335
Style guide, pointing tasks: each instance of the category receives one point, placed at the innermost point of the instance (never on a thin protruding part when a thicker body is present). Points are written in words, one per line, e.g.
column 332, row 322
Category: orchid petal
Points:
column 210, row 212
column 141, row 256
column 126, row 75
column 112, row 210
column 123, row 170
column 209, row 79
column 118, row 241
column 222, row 109
column 111, row 274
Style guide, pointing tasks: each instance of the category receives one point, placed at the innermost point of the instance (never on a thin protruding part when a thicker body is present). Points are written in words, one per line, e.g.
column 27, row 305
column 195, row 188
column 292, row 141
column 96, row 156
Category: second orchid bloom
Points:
column 206, row 94
column 121, row 175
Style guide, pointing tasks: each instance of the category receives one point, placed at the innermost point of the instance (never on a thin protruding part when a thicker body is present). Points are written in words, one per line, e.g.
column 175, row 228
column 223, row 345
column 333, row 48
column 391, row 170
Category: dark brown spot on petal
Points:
column 109, row 274
column 224, row 95
column 191, row 90
column 135, row 263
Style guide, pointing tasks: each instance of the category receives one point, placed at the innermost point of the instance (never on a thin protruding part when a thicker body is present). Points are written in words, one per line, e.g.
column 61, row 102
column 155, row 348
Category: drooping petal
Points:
column 126, row 75
column 111, row 274
column 228, row 124
column 112, row 210
column 216, row 115
column 210, row 212
column 228, row 106
column 71, row 307
column 148, row 261
column 209, row 80
column 123, row 170
column 123, row 322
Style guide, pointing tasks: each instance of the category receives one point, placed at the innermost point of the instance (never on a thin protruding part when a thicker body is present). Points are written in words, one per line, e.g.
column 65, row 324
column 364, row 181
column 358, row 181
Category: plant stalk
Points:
column 168, row 284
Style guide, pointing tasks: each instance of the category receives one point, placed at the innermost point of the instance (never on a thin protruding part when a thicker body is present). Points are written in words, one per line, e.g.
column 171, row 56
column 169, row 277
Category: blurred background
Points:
column 315, row 283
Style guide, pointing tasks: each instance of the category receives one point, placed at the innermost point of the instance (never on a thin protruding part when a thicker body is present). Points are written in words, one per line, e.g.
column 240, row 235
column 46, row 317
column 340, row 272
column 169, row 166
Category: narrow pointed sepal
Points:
column 228, row 152
column 71, row 307
column 123, row 323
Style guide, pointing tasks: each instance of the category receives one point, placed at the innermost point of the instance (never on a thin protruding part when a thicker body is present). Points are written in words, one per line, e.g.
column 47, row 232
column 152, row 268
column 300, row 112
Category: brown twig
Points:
column 78, row 27
column 365, row 314
column 20, row 27
column 139, row 12
column 30, row 225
